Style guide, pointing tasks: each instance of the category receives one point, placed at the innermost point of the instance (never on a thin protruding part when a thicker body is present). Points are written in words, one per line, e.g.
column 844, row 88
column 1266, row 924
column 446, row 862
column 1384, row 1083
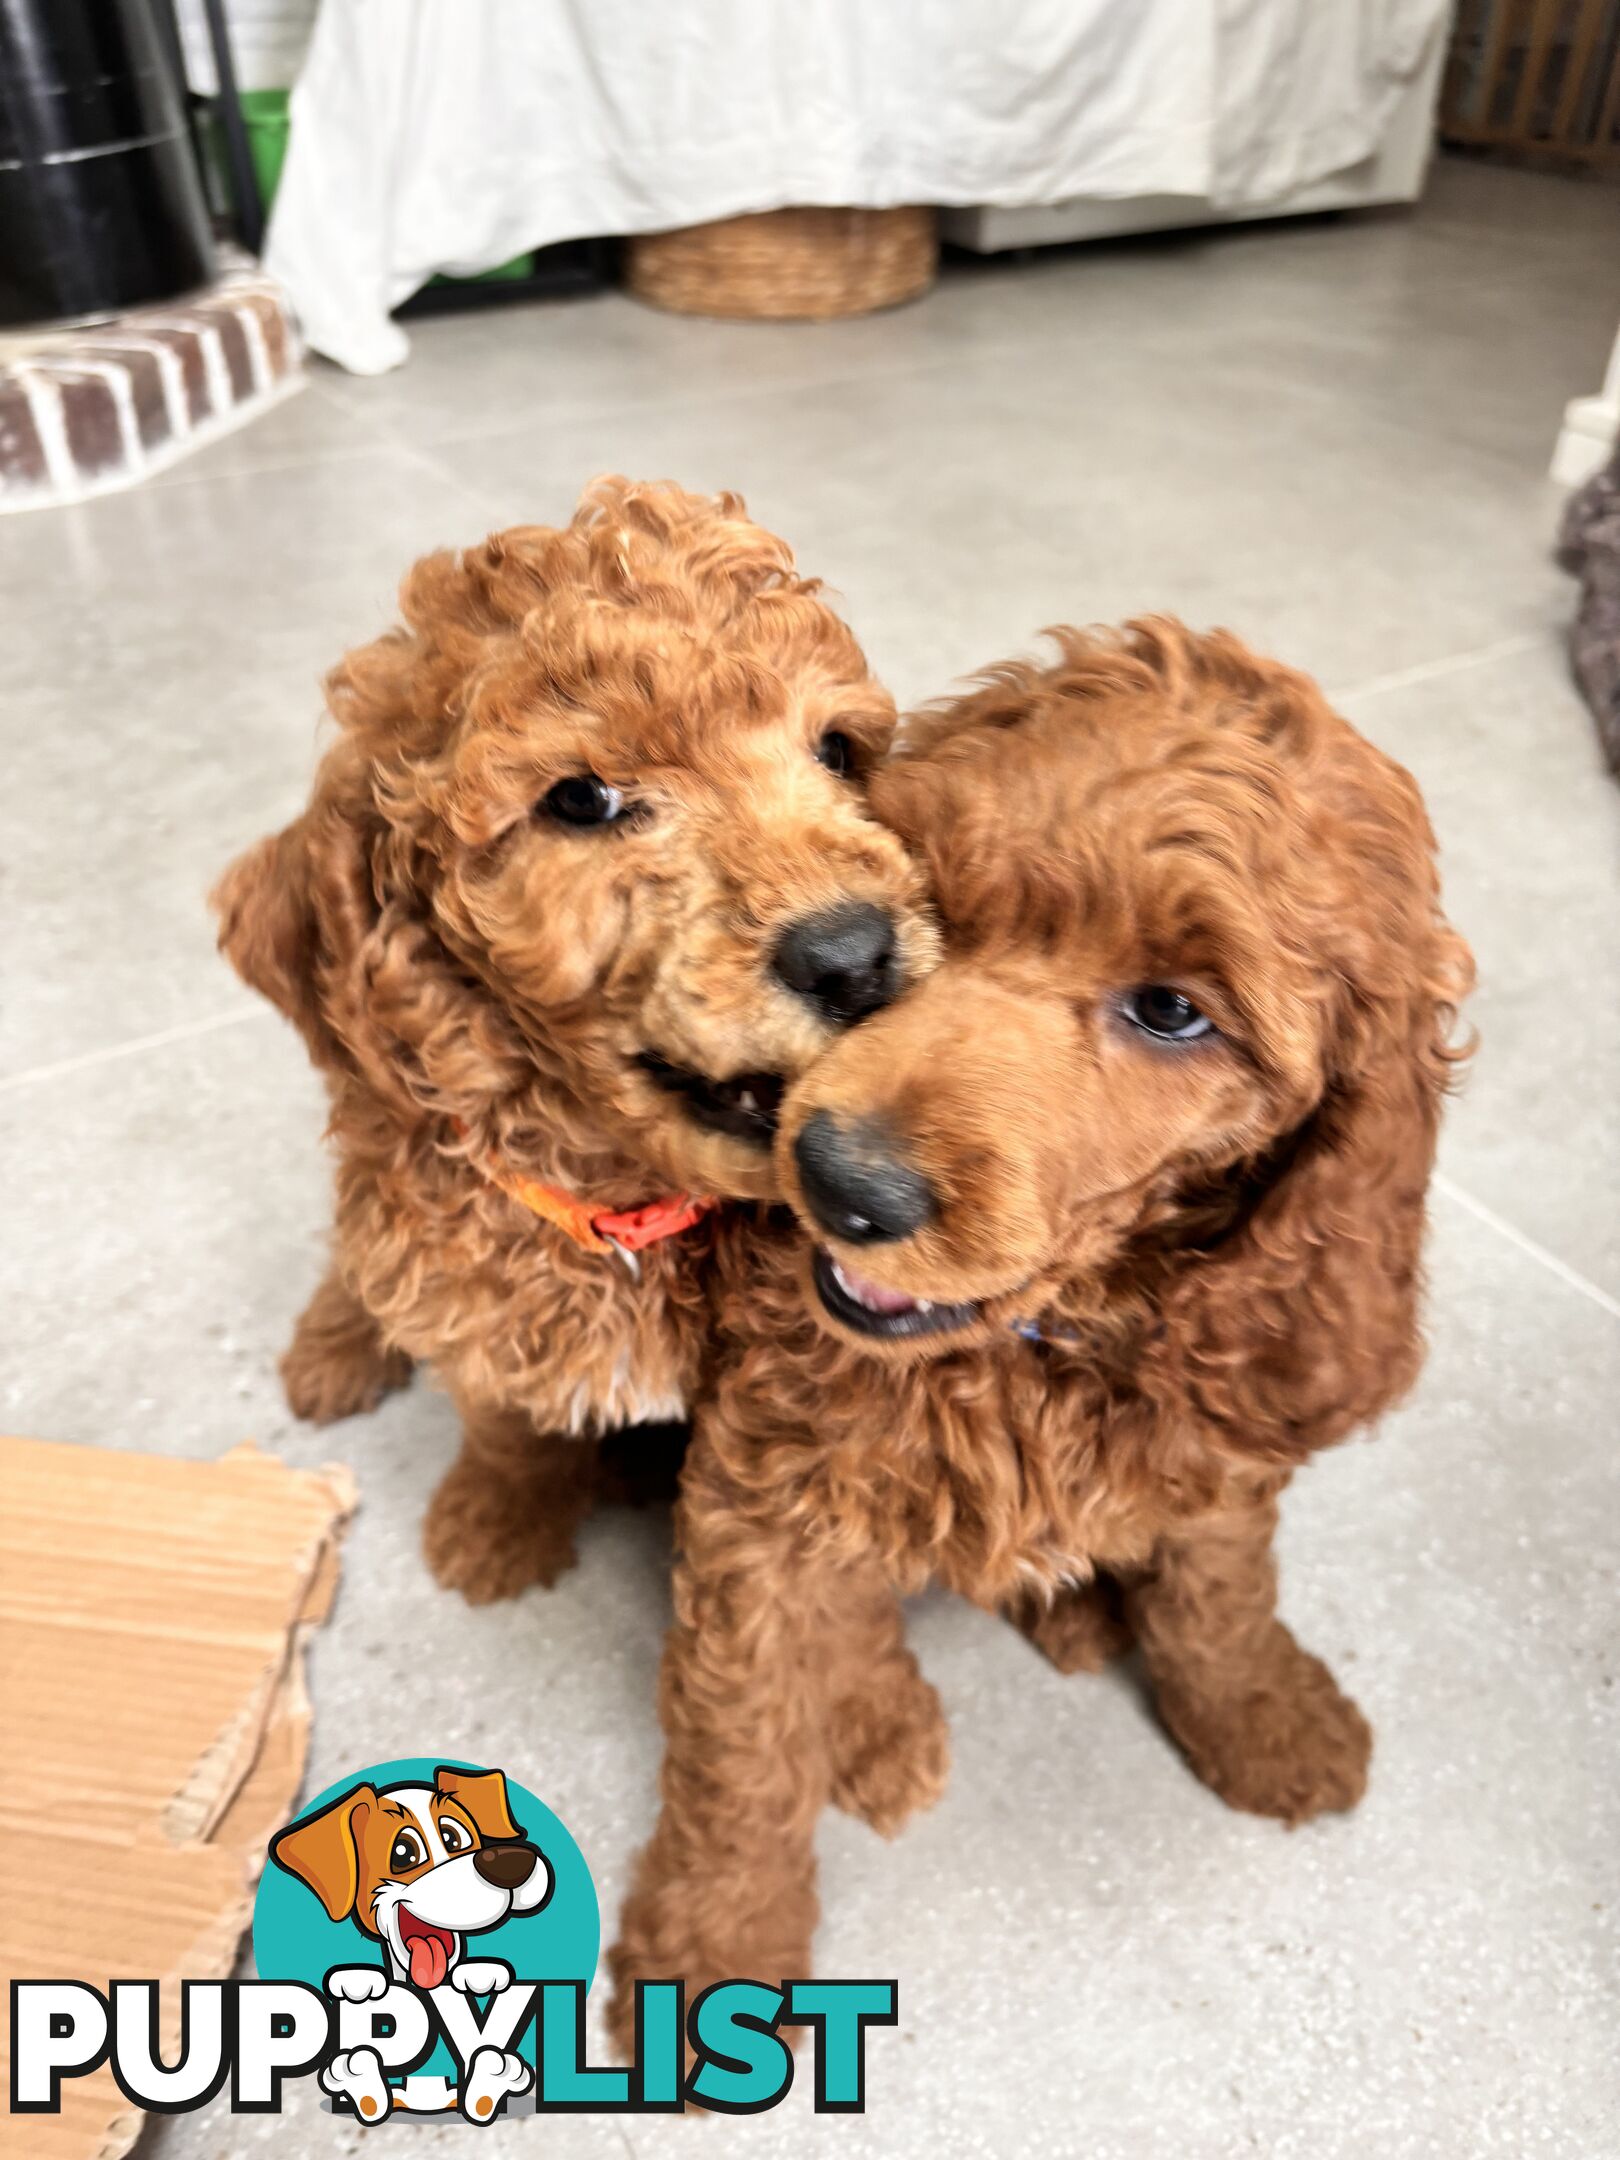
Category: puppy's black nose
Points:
column 856, row 1186
column 506, row 1866
column 842, row 962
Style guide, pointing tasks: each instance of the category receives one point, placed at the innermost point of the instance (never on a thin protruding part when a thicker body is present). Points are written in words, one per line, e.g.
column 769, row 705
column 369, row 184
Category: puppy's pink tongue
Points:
column 872, row 1295
column 430, row 1961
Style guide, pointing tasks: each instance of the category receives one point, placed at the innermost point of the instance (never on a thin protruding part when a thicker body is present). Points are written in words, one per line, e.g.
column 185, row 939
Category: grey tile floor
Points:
column 1330, row 436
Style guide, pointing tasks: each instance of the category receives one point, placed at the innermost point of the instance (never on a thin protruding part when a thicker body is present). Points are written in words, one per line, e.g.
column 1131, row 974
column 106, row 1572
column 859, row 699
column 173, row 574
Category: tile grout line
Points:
column 389, row 433
column 1423, row 671
column 488, row 503
column 183, row 1032
column 1433, row 671
column 1527, row 1245
column 385, row 436
column 428, row 456
column 661, row 405
column 271, row 468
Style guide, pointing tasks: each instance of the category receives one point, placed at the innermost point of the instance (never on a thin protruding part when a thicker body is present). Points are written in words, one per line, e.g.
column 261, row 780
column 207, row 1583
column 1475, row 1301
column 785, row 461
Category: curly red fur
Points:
column 480, row 983
column 1219, row 1245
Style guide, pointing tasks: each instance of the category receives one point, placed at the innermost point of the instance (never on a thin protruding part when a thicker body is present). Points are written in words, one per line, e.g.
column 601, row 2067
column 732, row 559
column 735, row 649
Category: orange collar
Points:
column 625, row 1231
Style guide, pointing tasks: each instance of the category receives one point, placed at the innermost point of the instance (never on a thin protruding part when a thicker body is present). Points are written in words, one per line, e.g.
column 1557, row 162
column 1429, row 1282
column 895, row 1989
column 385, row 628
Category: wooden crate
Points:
column 1539, row 77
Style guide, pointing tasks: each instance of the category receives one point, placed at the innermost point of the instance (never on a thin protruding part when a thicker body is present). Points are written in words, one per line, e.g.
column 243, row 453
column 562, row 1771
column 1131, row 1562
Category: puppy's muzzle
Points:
column 508, row 1867
column 844, row 962
column 857, row 1185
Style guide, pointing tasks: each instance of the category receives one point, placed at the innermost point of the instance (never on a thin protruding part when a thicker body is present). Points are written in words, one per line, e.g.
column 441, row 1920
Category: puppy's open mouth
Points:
column 743, row 1108
column 872, row 1310
column 428, row 1949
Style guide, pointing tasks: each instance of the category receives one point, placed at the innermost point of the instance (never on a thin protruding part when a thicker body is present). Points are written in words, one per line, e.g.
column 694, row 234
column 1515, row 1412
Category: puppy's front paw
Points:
column 481, row 1976
column 1284, row 1741
column 691, row 1930
column 490, row 1537
column 330, row 1373
column 891, row 1749
column 358, row 1983
column 1080, row 1630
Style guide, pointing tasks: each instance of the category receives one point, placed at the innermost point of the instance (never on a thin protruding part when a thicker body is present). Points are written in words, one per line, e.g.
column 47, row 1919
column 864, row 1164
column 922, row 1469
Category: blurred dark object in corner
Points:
column 1537, row 81
column 547, row 273
column 1589, row 549
column 101, row 206
column 639, row 1466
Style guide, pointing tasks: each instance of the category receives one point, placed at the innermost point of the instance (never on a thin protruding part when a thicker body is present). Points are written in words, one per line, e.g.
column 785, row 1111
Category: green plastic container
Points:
column 267, row 118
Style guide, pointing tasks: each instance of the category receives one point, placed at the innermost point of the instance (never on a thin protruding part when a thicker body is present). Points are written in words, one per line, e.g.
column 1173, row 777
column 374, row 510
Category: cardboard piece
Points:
column 153, row 1621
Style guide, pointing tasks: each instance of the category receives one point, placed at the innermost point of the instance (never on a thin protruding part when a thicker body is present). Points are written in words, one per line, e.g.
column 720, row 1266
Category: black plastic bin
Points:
column 101, row 207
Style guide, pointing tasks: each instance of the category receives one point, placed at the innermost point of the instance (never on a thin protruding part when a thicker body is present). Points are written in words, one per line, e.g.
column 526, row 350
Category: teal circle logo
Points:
column 443, row 1877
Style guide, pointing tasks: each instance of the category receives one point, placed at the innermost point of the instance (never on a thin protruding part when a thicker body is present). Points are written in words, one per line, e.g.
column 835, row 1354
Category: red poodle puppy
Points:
column 1112, row 1222
column 587, row 875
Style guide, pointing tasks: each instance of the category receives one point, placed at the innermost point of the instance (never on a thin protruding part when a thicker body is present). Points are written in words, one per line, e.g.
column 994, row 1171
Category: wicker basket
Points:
column 787, row 263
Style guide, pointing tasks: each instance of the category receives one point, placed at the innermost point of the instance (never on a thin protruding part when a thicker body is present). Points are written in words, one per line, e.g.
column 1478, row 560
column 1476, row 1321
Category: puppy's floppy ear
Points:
column 1303, row 1321
column 267, row 926
column 483, row 1794
column 293, row 909
column 323, row 1851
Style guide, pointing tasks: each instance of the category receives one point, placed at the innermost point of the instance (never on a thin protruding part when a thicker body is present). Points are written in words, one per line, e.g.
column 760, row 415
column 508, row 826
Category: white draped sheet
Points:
column 454, row 134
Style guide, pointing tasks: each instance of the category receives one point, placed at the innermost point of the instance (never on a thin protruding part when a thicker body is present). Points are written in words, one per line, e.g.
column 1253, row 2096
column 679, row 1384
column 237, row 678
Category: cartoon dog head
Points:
column 419, row 1867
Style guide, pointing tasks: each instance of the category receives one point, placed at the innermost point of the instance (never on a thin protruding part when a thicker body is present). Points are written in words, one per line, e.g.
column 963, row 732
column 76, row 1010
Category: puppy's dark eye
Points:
column 837, row 752
column 407, row 1851
column 455, row 1838
column 1163, row 1012
column 582, row 799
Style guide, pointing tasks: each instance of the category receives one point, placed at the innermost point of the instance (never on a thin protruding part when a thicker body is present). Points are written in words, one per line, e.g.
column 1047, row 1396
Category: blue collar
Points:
column 1032, row 1331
